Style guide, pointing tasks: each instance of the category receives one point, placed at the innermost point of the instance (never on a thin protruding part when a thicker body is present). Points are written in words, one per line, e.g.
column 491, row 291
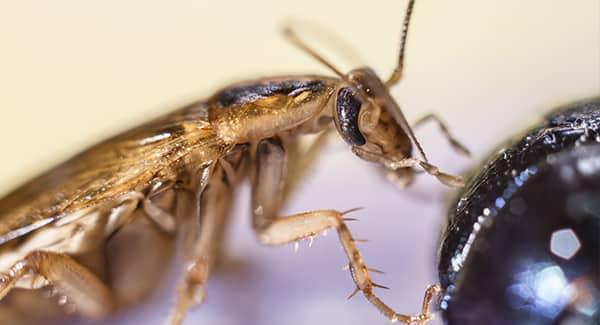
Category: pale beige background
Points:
column 74, row 72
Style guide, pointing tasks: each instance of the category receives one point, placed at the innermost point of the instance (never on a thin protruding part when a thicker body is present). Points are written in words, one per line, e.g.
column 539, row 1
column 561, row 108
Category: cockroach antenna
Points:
column 397, row 73
column 289, row 33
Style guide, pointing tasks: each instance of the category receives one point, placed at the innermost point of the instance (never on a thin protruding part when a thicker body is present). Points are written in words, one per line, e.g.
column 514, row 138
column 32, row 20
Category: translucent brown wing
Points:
column 127, row 162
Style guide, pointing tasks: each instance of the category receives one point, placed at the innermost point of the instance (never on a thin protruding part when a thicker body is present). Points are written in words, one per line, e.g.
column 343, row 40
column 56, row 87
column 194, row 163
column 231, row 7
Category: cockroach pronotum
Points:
column 174, row 176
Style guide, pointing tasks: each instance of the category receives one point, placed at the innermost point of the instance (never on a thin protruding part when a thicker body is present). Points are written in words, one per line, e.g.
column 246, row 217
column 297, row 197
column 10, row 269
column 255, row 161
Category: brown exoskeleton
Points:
column 176, row 176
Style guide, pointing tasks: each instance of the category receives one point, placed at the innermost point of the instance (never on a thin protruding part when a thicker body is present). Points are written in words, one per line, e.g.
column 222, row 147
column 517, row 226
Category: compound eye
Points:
column 347, row 108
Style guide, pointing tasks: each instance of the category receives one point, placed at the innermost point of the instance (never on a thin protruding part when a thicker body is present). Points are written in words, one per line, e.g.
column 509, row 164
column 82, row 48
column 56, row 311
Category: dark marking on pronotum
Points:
column 173, row 130
column 249, row 93
column 348, row 107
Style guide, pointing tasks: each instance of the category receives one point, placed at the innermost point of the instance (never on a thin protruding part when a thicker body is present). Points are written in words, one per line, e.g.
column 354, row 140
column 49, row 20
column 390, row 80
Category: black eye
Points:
column 347, row 108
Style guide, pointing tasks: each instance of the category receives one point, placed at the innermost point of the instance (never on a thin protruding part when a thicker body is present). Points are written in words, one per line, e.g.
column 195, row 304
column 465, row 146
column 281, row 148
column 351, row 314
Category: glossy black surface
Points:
column 348, row 108
column 522, row 244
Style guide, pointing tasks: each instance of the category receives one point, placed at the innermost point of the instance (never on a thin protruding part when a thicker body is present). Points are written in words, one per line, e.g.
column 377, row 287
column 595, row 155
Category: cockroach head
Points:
column 365, row 114
column 368, row 118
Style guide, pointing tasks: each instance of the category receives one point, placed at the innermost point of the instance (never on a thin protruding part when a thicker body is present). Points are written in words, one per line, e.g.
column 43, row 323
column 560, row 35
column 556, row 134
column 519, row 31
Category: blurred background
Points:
column 74, row 72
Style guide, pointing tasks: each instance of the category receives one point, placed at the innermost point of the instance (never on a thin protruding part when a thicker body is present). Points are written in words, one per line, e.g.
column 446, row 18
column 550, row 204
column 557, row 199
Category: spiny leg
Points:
column 289, row 229
column 455, row 144
column 444, row 178
column 268, row 177
column 91, row 297
column 203, row 238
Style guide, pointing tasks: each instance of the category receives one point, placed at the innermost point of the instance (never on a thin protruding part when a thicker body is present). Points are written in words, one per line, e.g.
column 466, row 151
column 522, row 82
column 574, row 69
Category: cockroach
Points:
column 63, row 232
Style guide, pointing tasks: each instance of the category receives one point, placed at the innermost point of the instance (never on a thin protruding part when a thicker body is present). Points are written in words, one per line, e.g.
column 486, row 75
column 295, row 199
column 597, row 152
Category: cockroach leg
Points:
column 410, row 162
column 431, row 292
column 276, row 230
column 274, row 164
column 454, row 143
column 300, row 161
column 289, row 229
column 444, row 178
column 401, row 177
column 79, row 285
column 203, row 237
column 125, row 264
column 268, row 180
column 164, row 220
column 158, row 204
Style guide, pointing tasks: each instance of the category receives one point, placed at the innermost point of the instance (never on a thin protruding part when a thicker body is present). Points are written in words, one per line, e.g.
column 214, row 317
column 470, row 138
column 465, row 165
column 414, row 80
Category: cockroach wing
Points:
column 127, row 162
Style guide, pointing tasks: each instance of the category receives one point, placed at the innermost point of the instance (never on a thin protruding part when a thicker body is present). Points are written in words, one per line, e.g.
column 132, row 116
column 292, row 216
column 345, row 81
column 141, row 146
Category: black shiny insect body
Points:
column 522, row 242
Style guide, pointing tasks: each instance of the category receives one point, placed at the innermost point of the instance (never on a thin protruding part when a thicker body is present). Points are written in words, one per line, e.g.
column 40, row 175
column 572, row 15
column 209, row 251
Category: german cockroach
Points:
column 64, row 231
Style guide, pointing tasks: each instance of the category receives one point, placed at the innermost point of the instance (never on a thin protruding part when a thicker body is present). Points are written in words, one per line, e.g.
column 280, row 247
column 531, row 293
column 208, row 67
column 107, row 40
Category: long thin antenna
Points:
column 292, row 37
column 397, row 73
